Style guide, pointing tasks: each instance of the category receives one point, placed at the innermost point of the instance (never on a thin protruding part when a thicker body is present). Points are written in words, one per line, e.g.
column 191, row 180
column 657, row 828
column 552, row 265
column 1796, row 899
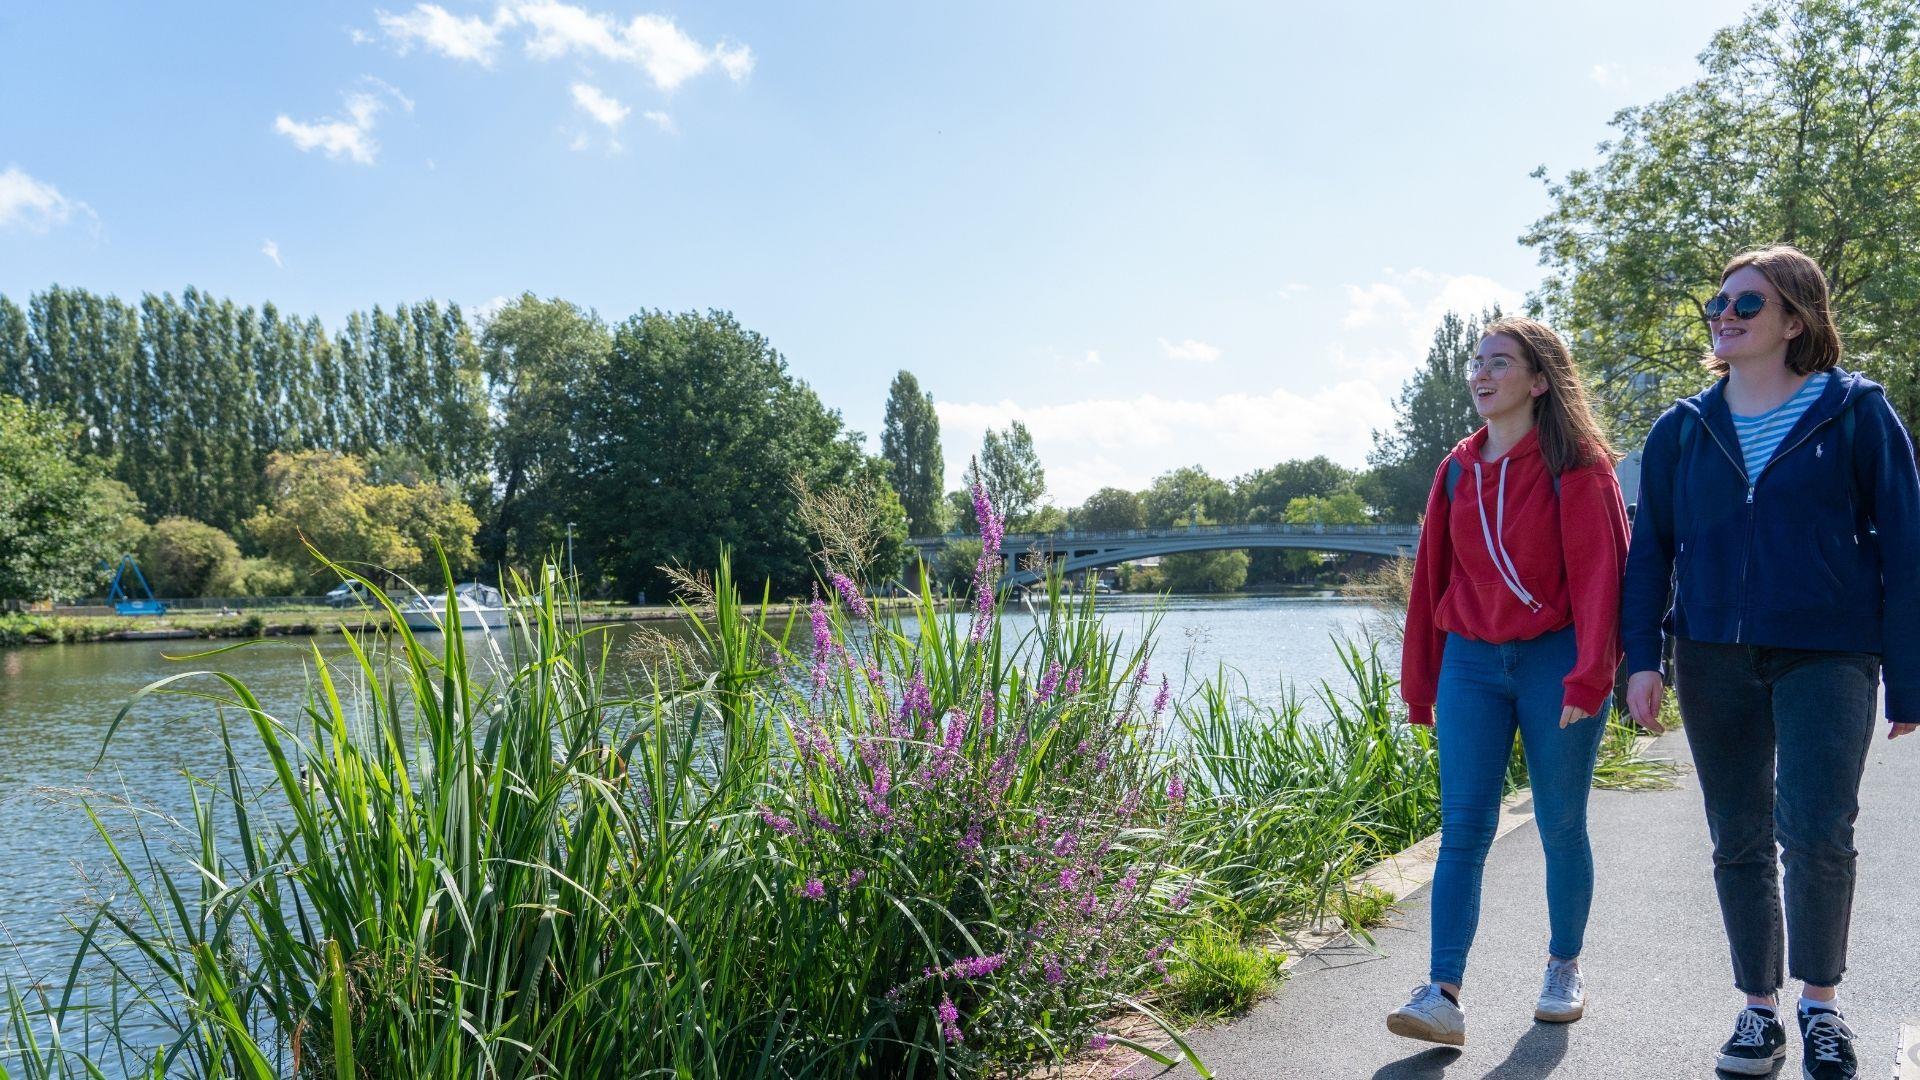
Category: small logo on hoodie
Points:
column 1819, row 449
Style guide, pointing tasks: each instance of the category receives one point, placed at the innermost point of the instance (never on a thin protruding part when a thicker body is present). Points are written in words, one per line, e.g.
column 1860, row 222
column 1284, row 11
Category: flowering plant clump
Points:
column 994, row 840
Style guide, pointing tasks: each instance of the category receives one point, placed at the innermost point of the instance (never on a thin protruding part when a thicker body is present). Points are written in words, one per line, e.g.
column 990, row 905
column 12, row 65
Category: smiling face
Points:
column 1497, row 394
column 1761, row 339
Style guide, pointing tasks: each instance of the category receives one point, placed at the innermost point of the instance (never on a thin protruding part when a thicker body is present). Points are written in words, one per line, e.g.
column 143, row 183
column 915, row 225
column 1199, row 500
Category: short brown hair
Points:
column 1803, row 289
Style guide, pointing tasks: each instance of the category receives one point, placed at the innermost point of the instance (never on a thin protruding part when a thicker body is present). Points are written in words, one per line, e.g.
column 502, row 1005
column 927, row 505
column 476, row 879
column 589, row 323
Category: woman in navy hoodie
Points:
column 1514, row 625
column 1781, row 507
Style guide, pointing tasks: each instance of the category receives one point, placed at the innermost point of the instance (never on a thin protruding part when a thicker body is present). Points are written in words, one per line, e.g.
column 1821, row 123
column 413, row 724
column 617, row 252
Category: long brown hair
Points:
column 1803, row 289
column 1570, row 435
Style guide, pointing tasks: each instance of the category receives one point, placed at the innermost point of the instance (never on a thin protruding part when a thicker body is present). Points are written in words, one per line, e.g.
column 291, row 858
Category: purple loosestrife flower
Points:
column 855, row 878
column 820, row 821
column 1160, row 700
column 1063, row 847
column 1140, row 677
column 992, row 530
column 977, row 967
column 1176, row 792
column 1048, row 683
column 917, row 702
column 1179, row 901
column 850, row 595
column 1053, row 972
column 949, row 1021
column 1074, row 678
column 822, row 642
column 783, row 826
column 1130, row 882
column 970, row 843
column 1088, row 904
column 989, row 713
column 1099, row 1042
column 1069, row 879
column 814, row 889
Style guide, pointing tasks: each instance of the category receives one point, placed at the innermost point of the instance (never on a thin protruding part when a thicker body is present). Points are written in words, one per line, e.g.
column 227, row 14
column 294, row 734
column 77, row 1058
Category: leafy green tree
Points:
column 1110, row 509
column 689, row 442
column 325, row 498
column 959, row 512
column 61, row 516
column 15, row 350
column 953, row 566
column 910, row 443
column 1804, row 128
column 1178, row 495
column 1264, row 495
column 183, row 557
column 1010, row 471
column 1433, row 413
column 538, row 356
column 1203, row 571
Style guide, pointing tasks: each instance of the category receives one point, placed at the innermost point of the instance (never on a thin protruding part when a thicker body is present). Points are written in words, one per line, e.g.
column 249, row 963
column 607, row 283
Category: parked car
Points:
column 349, row 594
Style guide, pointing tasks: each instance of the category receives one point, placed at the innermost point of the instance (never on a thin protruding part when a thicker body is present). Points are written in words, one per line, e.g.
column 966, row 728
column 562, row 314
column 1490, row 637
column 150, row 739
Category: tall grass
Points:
column 836, row 844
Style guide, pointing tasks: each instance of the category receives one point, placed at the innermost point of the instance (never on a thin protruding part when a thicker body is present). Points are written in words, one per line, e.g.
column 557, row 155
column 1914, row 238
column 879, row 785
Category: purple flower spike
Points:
column 1048, row 683
column 850, row 595
column 1176, row 791
column 1160, row 700
column 814, row 889
column 949, row 1021
column 992, row 530
column 822, row 641
column 1074, row 679
column 783, row 826
column 1054, row 973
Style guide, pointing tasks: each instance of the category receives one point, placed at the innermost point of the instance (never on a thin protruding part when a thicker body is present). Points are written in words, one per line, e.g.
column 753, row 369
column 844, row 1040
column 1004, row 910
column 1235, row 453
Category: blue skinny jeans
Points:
column 1488, row 691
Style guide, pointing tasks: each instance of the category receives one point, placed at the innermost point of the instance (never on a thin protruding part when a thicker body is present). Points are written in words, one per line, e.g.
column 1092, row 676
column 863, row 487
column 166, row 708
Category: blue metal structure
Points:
column 122, row 598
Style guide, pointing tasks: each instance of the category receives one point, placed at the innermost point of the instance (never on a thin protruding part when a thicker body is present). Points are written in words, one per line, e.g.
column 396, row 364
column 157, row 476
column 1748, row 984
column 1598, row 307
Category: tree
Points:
column 689, row 443
column 1110, row 509
column 61, row 516
column 1177, row 496
column 1011, row 473
column 1804, row 128
column 183, row 557
column 539, row 355
column 1433, row 413
column 910, row 443
column 1203, row 571
column 1263, row 496
column 323, row 498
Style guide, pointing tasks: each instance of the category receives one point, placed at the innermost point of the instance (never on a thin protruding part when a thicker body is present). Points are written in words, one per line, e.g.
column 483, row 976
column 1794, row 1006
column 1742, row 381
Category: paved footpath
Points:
column 1659, row 981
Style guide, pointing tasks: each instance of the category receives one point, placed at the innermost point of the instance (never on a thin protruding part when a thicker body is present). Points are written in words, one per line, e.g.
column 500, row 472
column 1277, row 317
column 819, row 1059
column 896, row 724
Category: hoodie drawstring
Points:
column 1496, row 546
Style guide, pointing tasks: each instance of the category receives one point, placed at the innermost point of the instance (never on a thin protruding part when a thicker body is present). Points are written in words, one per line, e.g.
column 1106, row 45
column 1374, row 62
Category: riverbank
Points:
column 26, row 628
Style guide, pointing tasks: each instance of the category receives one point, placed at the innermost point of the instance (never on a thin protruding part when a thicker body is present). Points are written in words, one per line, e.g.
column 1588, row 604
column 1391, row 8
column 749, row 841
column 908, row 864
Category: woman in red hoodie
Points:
column 1514, row 625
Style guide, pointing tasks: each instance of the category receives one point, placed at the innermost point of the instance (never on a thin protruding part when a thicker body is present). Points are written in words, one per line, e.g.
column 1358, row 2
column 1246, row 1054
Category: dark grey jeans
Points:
column 1780, row 740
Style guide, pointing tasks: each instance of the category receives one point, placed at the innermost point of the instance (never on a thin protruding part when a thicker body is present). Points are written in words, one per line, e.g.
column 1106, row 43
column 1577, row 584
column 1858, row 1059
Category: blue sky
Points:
column 1159, row 234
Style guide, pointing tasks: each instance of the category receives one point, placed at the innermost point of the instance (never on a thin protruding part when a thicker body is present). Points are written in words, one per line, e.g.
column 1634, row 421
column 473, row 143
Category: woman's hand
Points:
column 1892, row 733
column 1573, row 714
column 1644, row 691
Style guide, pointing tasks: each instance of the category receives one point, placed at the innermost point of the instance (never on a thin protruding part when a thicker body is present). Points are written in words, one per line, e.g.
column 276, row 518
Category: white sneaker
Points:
column 1429, row 1016
column 1563, row 996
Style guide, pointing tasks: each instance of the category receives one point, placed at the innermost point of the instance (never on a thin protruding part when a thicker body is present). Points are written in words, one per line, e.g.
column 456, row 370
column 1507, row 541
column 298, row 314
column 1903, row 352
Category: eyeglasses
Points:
column 1496, row 367
column 1745, row 306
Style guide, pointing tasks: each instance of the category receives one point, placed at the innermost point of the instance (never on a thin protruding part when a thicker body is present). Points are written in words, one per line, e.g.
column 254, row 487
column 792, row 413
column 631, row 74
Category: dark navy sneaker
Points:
column 1826, row 1046
column 1759, row 1043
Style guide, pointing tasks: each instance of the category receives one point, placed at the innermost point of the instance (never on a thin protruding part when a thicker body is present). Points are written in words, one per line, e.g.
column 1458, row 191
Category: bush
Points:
column 183, row 557
column 265, row 577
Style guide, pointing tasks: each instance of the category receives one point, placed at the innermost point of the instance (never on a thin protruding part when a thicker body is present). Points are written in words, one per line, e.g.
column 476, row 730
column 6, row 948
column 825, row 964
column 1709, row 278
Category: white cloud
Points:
column 1390, row 322
column 35, row 205
column 1091, row 359
column 602, row 107
column 1607, row 75
column 457, row 37
column 1190, row 351
column 580, row 142
column 352, row 136
column 1087, row 445
column 651, row 42
column 484, row 311
column 662, row 121
column 554, row 30
column 272, row 251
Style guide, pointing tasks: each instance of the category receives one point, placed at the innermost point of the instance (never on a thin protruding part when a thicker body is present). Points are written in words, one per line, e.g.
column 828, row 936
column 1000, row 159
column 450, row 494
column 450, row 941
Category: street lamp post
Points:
column 569, row 549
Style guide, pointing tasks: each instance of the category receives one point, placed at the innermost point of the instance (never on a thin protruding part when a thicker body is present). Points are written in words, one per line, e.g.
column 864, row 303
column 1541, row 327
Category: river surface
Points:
column 57, row 703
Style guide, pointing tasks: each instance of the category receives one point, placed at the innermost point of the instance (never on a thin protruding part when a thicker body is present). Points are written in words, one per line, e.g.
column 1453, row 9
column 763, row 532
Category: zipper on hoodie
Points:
column 1746, row 557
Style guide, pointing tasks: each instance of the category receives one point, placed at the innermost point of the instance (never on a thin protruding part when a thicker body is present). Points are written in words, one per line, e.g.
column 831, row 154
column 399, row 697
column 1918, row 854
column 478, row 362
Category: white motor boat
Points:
column 480, row 606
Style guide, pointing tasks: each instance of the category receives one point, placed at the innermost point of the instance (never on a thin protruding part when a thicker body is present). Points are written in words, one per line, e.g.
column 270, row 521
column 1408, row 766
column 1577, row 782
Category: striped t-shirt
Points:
column 1760, row 435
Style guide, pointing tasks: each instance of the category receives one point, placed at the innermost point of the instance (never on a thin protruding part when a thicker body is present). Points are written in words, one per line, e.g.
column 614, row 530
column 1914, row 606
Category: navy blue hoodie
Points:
column 1812, row 553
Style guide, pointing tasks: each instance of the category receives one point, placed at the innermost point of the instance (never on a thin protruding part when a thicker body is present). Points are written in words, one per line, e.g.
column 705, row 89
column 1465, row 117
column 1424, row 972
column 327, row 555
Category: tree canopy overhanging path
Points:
column 1659, row 981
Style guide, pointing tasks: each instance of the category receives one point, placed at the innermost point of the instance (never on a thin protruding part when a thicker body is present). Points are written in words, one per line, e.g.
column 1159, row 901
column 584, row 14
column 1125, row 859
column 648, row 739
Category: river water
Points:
column 57, row 703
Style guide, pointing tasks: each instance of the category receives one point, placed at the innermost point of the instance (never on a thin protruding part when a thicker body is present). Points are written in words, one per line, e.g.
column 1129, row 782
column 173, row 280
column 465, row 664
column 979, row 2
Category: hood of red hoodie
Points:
column 1467, row 450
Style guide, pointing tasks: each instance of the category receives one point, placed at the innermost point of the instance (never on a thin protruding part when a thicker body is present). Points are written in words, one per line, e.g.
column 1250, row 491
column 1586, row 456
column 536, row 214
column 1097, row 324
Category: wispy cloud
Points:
column 351, row 135
column 552, row 30
column 272, row 251
column 1190, row 351
column 602, row 107
column 35, row 205
column 662, row 121
column 433, row 27
column 1390, row 321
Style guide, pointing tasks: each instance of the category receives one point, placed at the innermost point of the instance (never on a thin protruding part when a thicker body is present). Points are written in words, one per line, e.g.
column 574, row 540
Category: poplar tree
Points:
column 910, row 444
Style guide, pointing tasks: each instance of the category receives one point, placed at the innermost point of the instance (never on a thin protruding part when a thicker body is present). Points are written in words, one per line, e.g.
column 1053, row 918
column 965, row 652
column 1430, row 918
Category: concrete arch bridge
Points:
column 1074, row 551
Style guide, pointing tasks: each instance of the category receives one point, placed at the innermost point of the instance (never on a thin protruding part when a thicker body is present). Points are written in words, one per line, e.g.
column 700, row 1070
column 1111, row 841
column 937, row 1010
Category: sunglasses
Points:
column 1745, row 306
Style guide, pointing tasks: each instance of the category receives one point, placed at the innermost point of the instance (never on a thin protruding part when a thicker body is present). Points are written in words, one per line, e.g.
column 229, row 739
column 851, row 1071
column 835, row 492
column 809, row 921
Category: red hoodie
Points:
column 1507, row 559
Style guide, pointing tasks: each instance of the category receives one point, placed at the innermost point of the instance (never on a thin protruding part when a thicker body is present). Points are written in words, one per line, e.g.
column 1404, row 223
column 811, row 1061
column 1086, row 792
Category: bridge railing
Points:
column 1257, row 529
